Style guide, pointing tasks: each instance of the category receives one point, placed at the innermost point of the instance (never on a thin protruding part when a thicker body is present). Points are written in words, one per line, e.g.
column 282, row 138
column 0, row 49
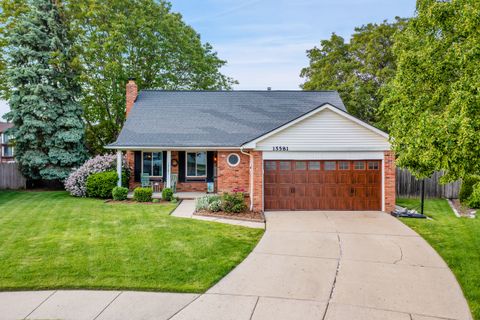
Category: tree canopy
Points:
column 42, row 75
column 120, row 39
column 358, row 70
column 433, row 102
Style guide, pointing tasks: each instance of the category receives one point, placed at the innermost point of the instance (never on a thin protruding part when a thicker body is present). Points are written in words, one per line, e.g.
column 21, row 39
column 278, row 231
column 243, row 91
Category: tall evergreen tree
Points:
column 42, row 75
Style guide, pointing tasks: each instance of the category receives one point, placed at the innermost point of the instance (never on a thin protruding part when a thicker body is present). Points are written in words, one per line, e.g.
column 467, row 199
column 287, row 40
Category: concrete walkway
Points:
column 308, row 265
column 187, row 207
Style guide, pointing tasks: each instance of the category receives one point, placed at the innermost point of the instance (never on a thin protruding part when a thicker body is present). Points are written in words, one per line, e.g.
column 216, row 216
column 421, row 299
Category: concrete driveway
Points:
column 308, row 265
column 335, row 265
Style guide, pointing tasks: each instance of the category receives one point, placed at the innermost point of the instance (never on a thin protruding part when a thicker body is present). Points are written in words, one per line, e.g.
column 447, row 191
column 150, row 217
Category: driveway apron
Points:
column 335, row 265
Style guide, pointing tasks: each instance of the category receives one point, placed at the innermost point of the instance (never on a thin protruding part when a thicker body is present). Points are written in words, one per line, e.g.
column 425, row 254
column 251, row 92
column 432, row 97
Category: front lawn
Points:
column 457, row 240
column 52, row 240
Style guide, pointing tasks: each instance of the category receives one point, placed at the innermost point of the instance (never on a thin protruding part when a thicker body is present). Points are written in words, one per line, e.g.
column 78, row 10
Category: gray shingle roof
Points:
column 214, row 118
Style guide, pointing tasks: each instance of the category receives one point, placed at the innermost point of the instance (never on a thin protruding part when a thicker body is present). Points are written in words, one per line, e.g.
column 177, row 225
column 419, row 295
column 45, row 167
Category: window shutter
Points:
column 137, row 166
column 210, row 163
column 181, row 166
column 164, row 166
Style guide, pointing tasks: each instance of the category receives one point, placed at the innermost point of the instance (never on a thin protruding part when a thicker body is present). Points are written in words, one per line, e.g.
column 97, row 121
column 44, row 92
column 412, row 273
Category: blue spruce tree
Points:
column 42, row 74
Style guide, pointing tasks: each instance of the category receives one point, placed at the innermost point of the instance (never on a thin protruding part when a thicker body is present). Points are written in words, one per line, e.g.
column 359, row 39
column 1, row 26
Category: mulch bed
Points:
column 247, row 215
column 464, row 211
column 128, row 201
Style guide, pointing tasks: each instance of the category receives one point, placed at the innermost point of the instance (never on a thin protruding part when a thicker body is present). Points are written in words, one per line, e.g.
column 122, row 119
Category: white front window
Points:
column 152, row 164
column 196, row 164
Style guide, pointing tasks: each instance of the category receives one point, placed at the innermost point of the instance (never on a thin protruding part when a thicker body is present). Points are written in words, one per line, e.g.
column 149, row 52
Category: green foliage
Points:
column 142, row 194
column 234, row 202
column 474, row 200
column 215, row 206
column 118, row 39
column 467, row 187
column 119, row 193
column 41, row 75
column 433, row 103
column 61, row 239
column 167, row 194
column 155, row 200
column 202, row 203
column 100, row 185
column 141, row 39
column 358, row 70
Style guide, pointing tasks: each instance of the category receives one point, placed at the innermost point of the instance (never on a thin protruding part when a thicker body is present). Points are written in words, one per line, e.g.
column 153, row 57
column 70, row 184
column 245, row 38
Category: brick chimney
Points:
column 132, row 92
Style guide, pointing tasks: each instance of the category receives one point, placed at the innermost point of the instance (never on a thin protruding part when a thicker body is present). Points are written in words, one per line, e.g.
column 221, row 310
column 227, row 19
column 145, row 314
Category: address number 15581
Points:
column 280, row 148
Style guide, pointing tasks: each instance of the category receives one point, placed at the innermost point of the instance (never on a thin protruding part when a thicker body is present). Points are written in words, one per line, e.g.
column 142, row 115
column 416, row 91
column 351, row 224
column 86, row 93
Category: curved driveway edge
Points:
column 308, row 265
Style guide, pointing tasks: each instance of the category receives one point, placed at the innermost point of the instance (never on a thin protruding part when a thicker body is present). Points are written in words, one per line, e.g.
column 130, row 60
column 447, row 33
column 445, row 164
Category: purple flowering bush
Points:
column 76, row 183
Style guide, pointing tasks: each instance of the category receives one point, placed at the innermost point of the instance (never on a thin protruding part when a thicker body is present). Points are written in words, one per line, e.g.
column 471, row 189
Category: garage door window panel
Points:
column 359, row 165
column 373, row 165
column 344, row 165
column 330, row 165
column 270, row 165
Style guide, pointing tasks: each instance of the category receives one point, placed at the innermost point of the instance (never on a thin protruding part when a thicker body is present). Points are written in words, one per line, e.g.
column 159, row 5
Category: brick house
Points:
column 288, row 150
column 7, row 149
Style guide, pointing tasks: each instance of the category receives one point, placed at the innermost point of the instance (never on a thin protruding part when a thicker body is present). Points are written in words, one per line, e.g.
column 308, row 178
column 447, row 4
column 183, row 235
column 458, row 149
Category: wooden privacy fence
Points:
column 409, row 186
column 10, row 177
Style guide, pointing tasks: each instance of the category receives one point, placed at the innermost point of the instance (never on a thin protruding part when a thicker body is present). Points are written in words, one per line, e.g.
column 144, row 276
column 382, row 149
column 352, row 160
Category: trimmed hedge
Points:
column 120, row 193
column 467, row 187
column 142, row 194
column 100, row 185
column 167, row 194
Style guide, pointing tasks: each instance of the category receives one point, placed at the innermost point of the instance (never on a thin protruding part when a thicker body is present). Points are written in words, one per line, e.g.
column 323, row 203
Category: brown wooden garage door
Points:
column 323, row 185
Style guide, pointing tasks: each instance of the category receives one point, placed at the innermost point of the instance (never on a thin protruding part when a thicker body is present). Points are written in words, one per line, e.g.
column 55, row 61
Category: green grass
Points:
column 52, row 240
column 457, row 240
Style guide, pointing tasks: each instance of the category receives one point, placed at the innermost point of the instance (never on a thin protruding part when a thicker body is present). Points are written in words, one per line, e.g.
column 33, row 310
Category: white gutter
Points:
column 251, row 176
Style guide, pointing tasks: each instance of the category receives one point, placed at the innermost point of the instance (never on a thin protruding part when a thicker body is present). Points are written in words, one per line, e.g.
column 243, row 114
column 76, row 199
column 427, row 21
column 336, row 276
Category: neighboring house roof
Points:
column 214, row 118
column 4, row 126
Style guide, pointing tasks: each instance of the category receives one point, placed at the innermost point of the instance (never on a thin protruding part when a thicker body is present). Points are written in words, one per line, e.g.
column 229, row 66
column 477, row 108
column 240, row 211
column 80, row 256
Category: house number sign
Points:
column 280, row 148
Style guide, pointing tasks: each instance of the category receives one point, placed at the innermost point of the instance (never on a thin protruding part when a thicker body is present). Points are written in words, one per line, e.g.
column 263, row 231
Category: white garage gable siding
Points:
column 325, row 130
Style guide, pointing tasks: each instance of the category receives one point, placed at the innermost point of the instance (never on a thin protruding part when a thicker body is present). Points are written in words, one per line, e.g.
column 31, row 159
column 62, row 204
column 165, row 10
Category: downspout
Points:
column 251, row 176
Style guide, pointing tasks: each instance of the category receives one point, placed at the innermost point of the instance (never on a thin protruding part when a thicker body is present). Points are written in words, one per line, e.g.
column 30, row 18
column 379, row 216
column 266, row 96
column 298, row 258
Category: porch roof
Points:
column 213, row 119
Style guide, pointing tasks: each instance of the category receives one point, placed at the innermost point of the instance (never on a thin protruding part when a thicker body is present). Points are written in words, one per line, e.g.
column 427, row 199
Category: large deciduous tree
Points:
column 42, row 78
column 120, row 39
column 358, row 69
column 433, row 103
column 141, row 39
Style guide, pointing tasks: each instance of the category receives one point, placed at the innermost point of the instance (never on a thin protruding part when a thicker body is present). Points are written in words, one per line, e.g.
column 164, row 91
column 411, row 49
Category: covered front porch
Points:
column 187, row 172
column 178, row 195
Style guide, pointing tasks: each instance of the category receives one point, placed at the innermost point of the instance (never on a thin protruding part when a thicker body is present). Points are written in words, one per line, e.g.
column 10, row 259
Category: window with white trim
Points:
column 152, row 164
column 233, row 159
column 196, row 163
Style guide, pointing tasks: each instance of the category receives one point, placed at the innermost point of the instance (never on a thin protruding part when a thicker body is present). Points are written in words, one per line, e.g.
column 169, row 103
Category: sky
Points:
column 265, row 41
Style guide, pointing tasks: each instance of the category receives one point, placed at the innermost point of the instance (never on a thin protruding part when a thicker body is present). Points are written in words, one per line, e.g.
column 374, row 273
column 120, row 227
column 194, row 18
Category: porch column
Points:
column 119, row 168
column 169, row 169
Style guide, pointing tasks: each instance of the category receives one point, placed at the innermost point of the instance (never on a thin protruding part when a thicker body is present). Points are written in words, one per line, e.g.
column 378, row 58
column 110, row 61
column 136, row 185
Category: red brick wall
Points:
column 257, row 180
column 131, row 95
column 229, row 178
column 389, row 171
column 130, row 156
